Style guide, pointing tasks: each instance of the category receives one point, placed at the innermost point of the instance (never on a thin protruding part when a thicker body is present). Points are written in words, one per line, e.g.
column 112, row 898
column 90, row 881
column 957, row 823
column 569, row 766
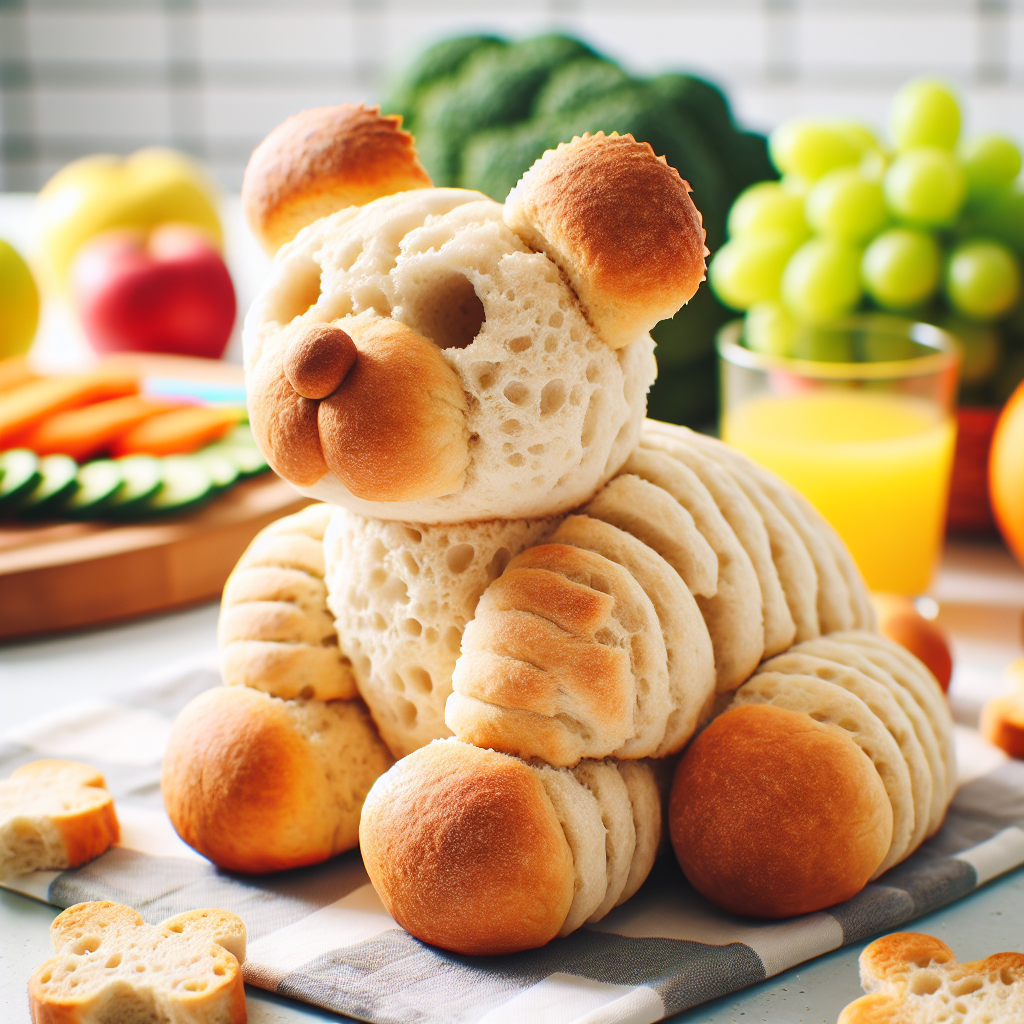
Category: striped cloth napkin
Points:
column 321, row 935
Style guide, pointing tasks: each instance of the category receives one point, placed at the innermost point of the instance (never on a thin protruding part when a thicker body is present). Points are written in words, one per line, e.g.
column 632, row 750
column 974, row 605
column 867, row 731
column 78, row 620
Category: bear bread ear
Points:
column 324, row 160
column 620, row 225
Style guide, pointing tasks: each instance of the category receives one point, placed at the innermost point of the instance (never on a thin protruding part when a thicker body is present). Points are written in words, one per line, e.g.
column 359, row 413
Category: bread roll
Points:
column 883, row 704
column 564, row 659
column 620, row 224
column 851, row 655
column 831, row 704
column 259, row 784
column 323, row 160
column 550, row 412
column 112, row 966
column 481, row 853
column 402, row 594
column 275, row 631
column 915, row 979
column 774, row 814
column 54, row 815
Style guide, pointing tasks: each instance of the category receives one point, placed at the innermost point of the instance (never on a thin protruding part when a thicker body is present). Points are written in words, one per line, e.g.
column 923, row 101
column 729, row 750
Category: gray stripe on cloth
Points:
column 396, row 979
column 160, row 887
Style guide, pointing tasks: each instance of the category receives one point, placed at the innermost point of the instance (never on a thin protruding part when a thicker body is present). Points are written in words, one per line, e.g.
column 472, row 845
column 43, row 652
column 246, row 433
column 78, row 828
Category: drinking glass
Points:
column 864, row 428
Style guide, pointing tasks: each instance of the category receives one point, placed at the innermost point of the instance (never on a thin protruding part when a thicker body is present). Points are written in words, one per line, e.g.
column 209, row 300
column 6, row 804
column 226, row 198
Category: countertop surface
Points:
column 982, row 597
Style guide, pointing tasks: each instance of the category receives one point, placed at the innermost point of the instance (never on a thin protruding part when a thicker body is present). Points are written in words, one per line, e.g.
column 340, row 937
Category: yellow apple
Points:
column 96, row 193
column 19, row 303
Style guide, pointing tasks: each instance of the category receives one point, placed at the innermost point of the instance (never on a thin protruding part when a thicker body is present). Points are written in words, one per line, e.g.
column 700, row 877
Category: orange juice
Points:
column 876, row 465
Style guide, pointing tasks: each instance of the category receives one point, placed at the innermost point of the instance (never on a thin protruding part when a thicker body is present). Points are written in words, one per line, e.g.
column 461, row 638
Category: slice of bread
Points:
column 54, row 815
column 112, row 966
column 915, row 979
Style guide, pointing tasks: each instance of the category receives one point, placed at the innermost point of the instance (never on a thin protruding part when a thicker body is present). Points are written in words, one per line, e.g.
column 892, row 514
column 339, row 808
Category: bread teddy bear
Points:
column 539, row 596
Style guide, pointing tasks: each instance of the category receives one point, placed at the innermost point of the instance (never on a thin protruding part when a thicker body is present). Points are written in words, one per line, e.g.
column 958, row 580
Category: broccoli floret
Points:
column 439, row 61
column 750, row 161
column 578, row 84
column 495, row 87
column 495, row 160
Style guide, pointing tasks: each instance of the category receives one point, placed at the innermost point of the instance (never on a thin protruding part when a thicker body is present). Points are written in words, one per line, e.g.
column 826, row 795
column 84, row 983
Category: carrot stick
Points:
column 87, row 432
column 14, row 371
column 177, row 432
column 23, row 407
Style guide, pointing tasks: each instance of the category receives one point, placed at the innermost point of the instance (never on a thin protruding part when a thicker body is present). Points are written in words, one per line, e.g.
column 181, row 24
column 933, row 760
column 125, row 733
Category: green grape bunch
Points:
column 923, row 225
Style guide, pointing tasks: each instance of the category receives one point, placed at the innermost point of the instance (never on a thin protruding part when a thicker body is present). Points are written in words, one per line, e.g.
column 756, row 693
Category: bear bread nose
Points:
column 317, row 360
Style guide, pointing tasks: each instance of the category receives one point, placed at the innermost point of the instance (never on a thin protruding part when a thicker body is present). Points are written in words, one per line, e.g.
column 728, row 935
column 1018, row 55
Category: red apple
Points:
column 167, row 291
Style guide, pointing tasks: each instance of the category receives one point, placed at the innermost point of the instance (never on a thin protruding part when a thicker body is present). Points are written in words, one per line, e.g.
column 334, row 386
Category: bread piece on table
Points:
column 734, row 614
column 550, row 410
column 54, row 815
column 887, row 710
column 620, row 224
column 564, row 659
column 652, row 515
column 831, row 704
column 774, row 814
column 746, row 522
column 918, row 681
column 112, row 966
column 259, row 784
column 275, row 631
column 836, row 606
column 480, row 852
column 1002, row 722
column 915, row 979
column 402, row 594
column 853, row 656
column 323, row 160
column 691, row 659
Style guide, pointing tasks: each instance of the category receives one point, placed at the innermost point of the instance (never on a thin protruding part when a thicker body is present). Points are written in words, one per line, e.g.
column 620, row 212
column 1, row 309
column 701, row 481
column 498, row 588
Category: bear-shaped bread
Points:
column 915, row 979
column 260, row 784
column 275, row 631
column 482, row 853
column 112, row 966
column 54, row 815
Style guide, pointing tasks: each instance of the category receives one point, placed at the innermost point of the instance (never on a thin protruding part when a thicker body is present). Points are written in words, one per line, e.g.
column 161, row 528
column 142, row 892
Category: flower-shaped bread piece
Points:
column 915, row 979
column 53, row 815
column 112, row 966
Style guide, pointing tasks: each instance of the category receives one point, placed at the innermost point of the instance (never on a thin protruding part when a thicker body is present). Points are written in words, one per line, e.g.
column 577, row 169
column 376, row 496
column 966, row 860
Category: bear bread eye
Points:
column 317, row 359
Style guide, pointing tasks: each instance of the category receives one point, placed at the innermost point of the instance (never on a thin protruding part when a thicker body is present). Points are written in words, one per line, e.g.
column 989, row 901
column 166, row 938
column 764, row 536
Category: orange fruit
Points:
column 1006, row 473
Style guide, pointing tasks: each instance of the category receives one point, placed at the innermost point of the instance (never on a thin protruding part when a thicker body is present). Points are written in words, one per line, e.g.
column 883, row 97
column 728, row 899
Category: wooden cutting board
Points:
column 60, row 576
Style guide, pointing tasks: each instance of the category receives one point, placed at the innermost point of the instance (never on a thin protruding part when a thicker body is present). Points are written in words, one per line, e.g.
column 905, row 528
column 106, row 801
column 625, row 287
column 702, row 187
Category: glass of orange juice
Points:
column 865, row 430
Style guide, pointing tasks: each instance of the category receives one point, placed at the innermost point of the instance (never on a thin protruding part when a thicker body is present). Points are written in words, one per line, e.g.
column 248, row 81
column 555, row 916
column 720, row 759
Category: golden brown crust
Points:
column 249, row 781
column 620, row 224
column 323, row 160
column 317, row 359
column 1002, row 723
column 395, row 430
column 773, row 814
column 465, row 849
column 284, row 423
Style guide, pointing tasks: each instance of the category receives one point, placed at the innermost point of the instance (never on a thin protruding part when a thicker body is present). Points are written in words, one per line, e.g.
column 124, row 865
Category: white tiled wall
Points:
column 213, row 76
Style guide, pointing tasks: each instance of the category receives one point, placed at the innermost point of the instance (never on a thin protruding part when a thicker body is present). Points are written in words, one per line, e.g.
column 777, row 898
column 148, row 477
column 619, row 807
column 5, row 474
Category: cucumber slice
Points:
column 223, row 471
column 187, row 483
column 59, row 481
column 98, row 483
column 242, row 434
column 19, row 475
column 248, row 458
column 143, row 476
